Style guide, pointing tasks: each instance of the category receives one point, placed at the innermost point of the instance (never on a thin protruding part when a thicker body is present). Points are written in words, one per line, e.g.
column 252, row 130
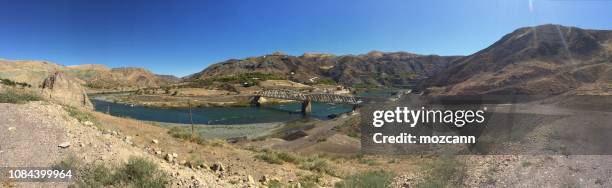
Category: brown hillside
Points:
column 374, row 68
column 543, row 60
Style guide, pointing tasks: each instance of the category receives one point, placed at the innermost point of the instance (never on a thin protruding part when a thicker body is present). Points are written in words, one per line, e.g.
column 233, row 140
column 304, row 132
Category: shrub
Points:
column 183, row 133
column 317, row 164
column 288, row 157
column 138, row 172
column 309, row 180
column 13, row 83
column 326, row 81
column 446, row 171
column 276, row 184
column 274, row 157
column 372, row 179
column 80, row 115
column 370, row 162
column 18, row 97
column 97, row 175
column 525, row 163
column 141, row 172
column 69, row 163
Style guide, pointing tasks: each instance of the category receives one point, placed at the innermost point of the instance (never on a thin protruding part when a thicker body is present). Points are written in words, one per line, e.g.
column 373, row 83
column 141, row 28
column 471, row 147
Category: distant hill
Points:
column 374, row 68
column 100, row 76
column 90, row 75
column 543, row 60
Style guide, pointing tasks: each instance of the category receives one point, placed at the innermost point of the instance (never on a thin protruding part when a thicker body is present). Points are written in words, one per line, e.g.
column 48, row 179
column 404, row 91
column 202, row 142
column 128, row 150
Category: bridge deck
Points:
column 314, row 97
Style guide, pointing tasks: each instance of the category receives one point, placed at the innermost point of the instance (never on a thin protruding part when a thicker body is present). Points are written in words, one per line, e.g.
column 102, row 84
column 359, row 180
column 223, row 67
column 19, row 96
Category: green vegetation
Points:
column 81, row 115
column 248, row 77
column 446, row 171
column 365, row 86
column 317, row 164
column 275, row 157
column 245, row 79
column 13, row 83
column 95, row 86
column 370, row 162
column 525, row 163
column 276, row 184
column 185, row 134
column 309, row 180
column 313, row 163
column 326, row 81
column 138, row 172
column 490, row 175
column 17, row 97
column 372, row 179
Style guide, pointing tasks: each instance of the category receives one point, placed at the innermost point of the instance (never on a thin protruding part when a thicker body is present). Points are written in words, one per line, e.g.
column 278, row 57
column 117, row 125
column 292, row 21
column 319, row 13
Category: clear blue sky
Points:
column 183, row 37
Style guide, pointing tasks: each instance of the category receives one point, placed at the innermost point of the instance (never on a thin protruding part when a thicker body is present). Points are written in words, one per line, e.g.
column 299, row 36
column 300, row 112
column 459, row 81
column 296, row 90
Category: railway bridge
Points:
column 305, row 98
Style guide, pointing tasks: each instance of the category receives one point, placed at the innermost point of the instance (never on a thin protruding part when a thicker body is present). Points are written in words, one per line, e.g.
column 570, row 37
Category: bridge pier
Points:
column 306, row 107
column 255, row 101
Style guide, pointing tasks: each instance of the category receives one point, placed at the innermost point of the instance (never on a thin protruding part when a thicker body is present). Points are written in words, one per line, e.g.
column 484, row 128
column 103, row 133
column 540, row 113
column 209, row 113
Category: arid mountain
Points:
column 100, row 76
column 374, row 68
column 542, row 60
column 90, row 75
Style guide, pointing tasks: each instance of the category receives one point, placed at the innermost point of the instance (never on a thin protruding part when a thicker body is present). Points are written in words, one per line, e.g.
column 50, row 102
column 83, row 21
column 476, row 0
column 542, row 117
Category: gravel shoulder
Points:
column 33, row 132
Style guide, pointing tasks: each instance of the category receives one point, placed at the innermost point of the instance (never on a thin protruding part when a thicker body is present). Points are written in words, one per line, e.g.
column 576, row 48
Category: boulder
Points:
column 65, row 90
column 218, row 166
column 249, row 180
column 64, row 145
column 169, row 157
column 88, row 123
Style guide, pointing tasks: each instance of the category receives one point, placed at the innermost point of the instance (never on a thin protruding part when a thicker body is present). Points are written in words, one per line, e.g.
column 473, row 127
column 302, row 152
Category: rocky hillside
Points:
column 90, row 75
column 100, row 76
column 542, row 60
column 55, row 136
column 374, row 68
column 47, row 80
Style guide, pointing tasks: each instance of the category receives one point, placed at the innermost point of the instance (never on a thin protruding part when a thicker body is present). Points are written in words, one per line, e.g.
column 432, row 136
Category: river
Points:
column 220, row 115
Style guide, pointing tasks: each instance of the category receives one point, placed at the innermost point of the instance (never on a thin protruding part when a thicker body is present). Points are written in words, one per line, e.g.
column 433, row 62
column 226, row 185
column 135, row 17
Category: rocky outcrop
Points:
column 65, row 90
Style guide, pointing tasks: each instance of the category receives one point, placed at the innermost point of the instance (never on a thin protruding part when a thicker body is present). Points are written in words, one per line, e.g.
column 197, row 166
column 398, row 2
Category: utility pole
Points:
column 190, row 117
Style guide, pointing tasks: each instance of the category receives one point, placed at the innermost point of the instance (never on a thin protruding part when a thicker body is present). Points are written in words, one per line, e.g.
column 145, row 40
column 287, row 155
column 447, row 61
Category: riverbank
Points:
column 163, row 101
column 247, row 131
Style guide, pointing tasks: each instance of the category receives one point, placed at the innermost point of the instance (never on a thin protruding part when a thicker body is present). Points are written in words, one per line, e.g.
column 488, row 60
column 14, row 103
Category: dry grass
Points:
column 18, row 96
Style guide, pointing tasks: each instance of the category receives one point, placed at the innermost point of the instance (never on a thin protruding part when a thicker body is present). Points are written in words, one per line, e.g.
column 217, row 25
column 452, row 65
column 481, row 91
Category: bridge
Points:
column 305, row 98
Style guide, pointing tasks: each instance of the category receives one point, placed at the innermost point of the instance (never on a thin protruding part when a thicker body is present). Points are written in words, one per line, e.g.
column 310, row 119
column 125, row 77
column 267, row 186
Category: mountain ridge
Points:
column 547, row 59
column 91, row 75
column 374, row 68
